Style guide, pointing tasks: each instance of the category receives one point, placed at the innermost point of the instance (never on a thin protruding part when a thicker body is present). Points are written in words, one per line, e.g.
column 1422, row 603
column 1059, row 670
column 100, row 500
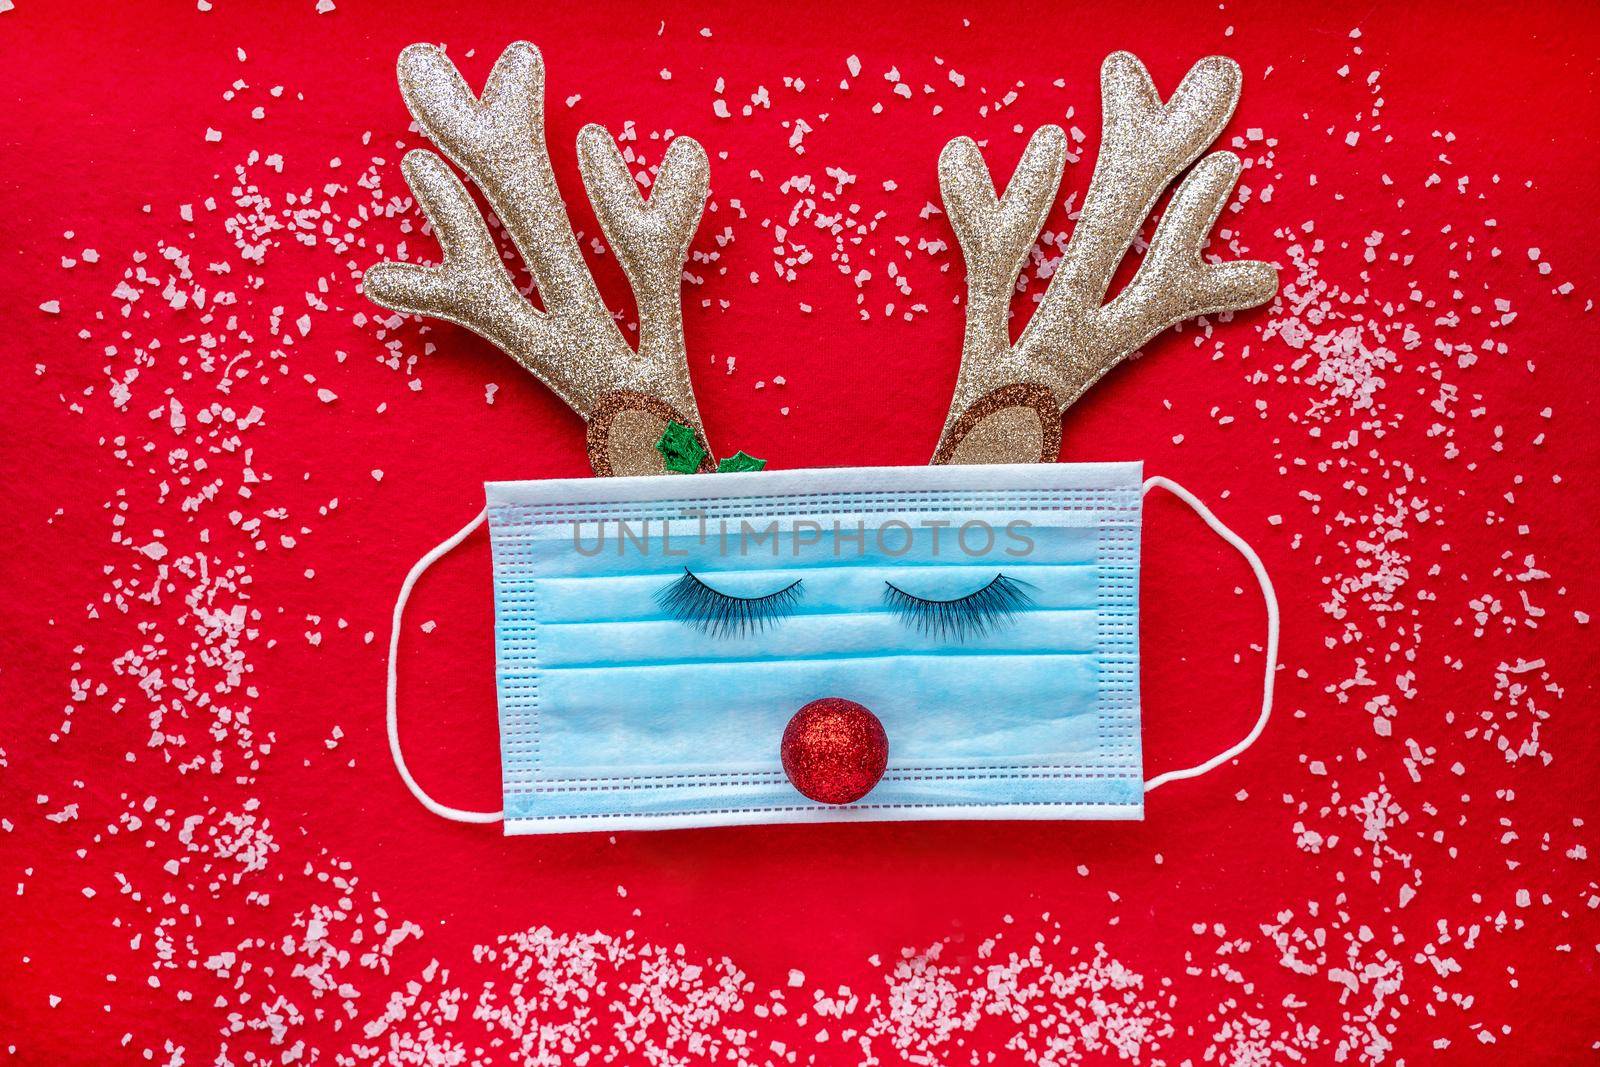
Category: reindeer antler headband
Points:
column 627, row 397
column 1008, row 398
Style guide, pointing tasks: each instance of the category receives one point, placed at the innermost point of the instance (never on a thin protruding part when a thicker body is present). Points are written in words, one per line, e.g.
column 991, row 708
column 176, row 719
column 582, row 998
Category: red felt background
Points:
column 1451, row 482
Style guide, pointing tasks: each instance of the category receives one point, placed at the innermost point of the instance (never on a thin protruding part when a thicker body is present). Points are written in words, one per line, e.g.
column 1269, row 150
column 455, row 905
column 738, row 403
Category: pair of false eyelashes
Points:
column 690, row 600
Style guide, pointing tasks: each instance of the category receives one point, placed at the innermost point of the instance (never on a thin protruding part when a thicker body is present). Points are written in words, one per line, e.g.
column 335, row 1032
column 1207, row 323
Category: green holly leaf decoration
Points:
column 681, row 451
column 740, row 461
column 680, row 448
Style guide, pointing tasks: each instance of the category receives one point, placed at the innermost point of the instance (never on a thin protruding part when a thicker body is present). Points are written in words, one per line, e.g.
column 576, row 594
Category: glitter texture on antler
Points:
column 626, row 396
column 1009, row 397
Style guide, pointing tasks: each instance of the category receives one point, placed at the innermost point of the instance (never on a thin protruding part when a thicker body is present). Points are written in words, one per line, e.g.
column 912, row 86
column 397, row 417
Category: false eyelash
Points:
column 972, row 615
column 690, row 600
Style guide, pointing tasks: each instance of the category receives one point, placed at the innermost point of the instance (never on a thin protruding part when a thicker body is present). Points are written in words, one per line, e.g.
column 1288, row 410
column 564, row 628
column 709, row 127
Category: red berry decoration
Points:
column 834, row 750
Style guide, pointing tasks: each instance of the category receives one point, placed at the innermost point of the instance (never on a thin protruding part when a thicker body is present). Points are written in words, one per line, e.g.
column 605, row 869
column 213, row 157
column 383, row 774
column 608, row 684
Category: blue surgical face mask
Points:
column 654, row 636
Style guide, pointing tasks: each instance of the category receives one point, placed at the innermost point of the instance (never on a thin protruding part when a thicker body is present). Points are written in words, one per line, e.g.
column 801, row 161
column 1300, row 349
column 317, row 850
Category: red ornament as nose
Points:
column 834, row 750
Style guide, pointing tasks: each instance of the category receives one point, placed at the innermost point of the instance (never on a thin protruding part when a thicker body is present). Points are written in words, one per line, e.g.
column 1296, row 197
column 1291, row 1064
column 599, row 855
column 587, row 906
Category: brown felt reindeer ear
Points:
column 574, row 346
column 1009, row 398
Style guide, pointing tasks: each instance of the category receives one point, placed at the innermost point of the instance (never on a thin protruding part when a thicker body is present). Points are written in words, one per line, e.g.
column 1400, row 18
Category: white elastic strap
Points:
column 1267, row 594
column 454, row 814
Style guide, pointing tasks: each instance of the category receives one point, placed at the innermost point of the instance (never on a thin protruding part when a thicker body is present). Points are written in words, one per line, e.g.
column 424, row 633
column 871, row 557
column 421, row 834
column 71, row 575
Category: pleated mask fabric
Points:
column 615, row 714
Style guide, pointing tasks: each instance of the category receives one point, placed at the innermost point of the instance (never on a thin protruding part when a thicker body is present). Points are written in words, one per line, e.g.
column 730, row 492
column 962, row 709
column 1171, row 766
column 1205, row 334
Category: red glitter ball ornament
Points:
column 834, row 750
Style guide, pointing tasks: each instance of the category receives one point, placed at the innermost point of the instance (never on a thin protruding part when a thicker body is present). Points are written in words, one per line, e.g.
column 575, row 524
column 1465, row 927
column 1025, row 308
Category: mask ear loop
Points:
column 1267, row 594
column 443, row 810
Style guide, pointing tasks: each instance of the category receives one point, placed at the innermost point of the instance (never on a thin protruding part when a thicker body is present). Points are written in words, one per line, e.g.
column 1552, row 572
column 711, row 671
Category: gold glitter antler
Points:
column 1009, row 398
column 574, row 346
